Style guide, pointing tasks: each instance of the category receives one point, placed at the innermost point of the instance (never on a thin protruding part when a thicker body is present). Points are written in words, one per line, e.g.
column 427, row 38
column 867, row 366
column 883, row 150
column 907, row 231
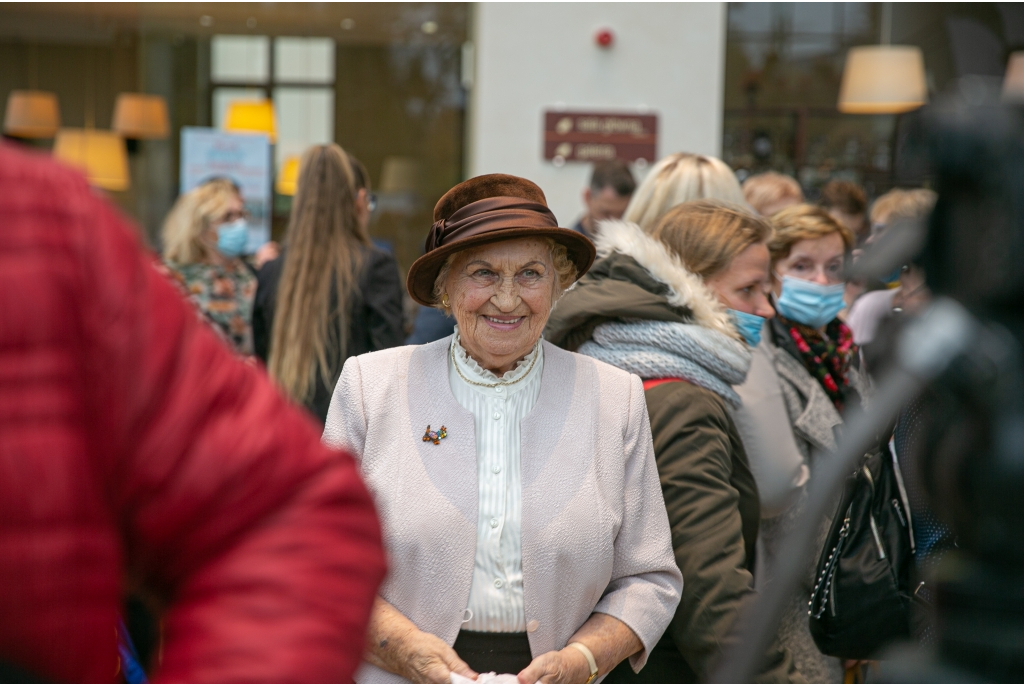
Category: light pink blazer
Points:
column 595, row 535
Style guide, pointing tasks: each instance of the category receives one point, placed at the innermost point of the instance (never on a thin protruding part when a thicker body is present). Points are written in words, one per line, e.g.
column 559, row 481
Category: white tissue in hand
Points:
column 491, row 677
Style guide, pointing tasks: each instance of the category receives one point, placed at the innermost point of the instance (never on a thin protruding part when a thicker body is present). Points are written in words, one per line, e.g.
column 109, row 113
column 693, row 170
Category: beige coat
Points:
column 595, row 536
column 788, row 422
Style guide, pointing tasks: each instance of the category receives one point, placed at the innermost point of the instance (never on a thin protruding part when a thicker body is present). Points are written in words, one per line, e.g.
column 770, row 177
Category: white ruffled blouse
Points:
column 498, row 406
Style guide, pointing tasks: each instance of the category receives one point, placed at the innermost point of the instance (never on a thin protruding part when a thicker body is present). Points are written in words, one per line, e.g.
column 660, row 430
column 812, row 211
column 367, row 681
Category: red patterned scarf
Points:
column 826, row 357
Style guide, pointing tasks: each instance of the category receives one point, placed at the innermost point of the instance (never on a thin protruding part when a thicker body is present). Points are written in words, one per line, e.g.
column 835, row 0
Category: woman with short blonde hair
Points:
column 896, row 210
column 803, row 376
column 900, row 203
column 680, row 178
column 805, row 222
column 204, row 236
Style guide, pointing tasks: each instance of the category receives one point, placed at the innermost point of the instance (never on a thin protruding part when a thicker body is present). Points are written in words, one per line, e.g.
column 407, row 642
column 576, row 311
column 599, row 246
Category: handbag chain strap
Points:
column 828, row 573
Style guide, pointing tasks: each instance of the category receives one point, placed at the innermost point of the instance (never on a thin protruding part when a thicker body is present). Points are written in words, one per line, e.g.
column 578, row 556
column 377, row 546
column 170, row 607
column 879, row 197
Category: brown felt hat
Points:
column 489, row 209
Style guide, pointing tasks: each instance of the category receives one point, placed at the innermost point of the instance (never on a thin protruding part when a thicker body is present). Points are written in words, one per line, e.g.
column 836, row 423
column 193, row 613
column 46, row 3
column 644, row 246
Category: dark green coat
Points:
column 713, row 511
column 709, row 491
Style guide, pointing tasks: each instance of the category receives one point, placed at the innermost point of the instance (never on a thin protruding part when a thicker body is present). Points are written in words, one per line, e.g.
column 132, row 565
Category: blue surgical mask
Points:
column 748, row 325
column 893, row 277
column 232, row 237
column 811, row 304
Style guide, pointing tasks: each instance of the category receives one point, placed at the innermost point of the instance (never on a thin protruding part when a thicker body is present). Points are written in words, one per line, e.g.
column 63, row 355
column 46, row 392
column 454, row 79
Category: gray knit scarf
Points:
column 659, row 349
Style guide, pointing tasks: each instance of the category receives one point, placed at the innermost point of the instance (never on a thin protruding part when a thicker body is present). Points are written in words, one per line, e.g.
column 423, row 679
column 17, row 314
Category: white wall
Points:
column 667, row 57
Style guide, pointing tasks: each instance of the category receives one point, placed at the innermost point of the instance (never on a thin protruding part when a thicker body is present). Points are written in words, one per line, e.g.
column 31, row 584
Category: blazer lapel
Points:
column 451, row 464
column 542, row 428
column 555, row 461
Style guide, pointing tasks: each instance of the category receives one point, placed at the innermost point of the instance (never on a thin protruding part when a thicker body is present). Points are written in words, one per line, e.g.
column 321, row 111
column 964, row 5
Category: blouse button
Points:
column 499, row 389
column 494, row 523
column 531, row 626
column 497, row 416
column 496, row 469
column 498, row 583
column 467, row 615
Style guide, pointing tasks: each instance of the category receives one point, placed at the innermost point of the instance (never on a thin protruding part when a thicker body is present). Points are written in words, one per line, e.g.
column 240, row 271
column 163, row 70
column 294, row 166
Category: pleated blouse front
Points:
column 498, row 406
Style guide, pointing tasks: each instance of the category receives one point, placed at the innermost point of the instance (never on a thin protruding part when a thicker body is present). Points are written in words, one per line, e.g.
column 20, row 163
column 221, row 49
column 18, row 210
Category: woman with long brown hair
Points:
column 331, row 294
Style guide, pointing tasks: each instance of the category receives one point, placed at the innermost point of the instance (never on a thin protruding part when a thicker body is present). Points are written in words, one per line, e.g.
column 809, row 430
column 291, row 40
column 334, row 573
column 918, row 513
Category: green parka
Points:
column 709, row 491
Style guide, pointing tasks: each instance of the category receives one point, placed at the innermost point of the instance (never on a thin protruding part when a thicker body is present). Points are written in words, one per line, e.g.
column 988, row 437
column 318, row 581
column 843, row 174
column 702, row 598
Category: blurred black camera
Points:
column 970, row 457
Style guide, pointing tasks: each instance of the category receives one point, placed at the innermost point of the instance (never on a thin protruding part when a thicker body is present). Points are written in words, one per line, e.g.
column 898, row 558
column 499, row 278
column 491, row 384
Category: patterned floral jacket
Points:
column 223, row 295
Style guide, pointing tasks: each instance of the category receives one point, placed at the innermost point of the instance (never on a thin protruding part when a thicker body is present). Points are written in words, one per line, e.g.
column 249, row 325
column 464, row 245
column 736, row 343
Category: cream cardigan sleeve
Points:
column 646, row 583
column 346, row 418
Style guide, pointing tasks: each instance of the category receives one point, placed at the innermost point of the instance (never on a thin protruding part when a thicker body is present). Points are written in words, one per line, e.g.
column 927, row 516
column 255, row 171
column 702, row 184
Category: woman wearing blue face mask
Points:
column 804, row 374
column 681, row 307
column 204, row 237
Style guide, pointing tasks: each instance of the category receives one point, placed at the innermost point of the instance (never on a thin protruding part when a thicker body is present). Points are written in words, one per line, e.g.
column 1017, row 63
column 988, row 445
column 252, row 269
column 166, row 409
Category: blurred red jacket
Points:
column 136, row 450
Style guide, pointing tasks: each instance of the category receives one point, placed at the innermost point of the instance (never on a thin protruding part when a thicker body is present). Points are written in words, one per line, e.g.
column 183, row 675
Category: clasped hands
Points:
column 429, row 659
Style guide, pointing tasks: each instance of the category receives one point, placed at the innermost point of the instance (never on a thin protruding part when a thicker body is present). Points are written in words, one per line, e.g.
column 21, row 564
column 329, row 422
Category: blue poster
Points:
column 208, row 153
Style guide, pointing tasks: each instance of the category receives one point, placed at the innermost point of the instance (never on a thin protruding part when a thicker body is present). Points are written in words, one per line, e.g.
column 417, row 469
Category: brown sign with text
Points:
column 597, row 136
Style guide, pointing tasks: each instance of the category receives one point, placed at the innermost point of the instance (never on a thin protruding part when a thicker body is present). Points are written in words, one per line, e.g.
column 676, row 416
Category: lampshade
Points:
column 288, row 176
column 883, row 79
column 246, row 116
column 1013, row 83
column 100, row 154
column 31, row 114
column 141, row 116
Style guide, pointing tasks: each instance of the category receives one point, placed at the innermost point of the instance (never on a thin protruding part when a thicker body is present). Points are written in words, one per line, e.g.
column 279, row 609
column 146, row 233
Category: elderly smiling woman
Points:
column 515, row 481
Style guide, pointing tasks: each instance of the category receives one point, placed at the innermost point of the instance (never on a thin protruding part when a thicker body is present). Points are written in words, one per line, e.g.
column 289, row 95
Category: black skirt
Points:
column 664, row 665
column 498, row 652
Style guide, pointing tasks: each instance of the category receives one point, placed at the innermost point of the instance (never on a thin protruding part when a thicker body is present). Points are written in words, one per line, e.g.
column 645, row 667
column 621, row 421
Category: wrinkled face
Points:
column 501, row 296
column 605, row 204
column 819, row 260
column 745, row 283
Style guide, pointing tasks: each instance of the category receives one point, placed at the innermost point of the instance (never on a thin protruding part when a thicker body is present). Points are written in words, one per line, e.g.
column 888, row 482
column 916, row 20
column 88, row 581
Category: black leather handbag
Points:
column 862, row 597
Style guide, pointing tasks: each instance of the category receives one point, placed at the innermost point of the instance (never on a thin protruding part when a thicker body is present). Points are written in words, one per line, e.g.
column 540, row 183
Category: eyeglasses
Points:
column 233, row 215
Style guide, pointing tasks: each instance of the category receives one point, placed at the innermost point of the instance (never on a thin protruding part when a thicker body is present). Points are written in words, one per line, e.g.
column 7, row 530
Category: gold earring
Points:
column 444, row 302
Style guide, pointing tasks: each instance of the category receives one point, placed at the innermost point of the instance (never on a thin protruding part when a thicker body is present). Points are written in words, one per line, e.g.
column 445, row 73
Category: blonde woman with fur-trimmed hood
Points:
column 680, row 305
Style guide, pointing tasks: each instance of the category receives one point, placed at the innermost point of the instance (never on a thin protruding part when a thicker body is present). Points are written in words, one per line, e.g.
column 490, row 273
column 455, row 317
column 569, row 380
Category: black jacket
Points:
column 375, row 315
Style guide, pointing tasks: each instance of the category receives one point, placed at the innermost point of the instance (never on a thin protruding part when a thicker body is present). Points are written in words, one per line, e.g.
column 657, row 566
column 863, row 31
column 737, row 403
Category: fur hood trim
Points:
column 685, row 288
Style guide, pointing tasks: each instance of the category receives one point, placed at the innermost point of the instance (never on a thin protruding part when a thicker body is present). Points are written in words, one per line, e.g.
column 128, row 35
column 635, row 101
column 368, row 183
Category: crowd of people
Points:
column 578, row 461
